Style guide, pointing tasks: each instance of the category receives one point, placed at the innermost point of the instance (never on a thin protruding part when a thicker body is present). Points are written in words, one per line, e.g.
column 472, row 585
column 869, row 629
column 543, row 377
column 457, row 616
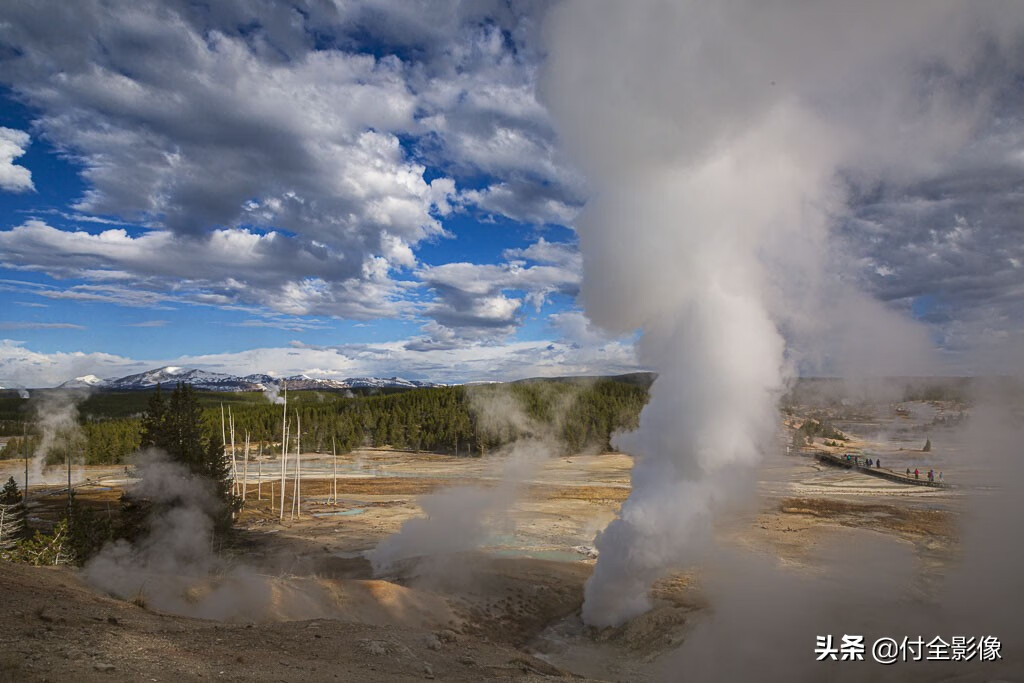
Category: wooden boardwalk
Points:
column 841, row 461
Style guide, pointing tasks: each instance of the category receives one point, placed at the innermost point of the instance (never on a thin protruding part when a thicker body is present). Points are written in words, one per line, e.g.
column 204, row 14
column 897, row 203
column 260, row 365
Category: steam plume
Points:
column 6, row 384
column 714, row 137
column 60, row 436
column 177, row 548
column 272, row 392
column 461, row 518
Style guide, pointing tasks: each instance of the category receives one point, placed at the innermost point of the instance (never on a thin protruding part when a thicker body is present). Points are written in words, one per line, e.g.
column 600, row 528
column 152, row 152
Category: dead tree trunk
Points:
column 245, row 468
column 24, row 447
column 298, row 464
column 234, row 465
column 284, row 446
column 70, row 493
column 297, row 470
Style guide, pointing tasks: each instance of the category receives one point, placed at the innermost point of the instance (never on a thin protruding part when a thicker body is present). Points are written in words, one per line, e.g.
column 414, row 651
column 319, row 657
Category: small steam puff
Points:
column 11, row 385
column 272, row 392
column 716, row 138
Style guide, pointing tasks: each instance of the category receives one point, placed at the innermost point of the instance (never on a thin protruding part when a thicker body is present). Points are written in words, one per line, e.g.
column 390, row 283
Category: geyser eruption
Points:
column 716, row 139
column 711, row 411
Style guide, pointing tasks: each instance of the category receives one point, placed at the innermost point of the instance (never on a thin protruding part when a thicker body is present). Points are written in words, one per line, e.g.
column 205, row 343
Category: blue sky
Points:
column 347, row 196
column 380, row 188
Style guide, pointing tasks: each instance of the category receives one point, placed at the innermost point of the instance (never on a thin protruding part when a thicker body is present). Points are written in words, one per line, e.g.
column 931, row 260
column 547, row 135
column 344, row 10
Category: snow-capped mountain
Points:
column 216, row 381
column 170, row 375
column 84, row 382
column 385, row 382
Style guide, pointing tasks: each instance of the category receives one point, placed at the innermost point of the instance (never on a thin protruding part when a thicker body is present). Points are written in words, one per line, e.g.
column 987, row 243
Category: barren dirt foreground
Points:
column 491, row 592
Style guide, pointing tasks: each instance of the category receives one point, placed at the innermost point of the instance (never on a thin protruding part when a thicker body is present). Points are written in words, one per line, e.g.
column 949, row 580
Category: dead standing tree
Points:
column 284, row 447
column 259, row 475
column 245, row 468
column 297, row 485
column 234, row 463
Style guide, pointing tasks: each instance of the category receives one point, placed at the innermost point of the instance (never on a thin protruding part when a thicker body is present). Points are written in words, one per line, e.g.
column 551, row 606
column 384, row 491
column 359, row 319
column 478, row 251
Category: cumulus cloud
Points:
column 199, row 130
column 524, row 202
column 230, row 266
column 296, row 155
column 280, row 152
column 13, row 144
column 576, row 330
column 542, row 251
column 943, row 240
column 479, row 301
column 36, row 369
column 289, row 135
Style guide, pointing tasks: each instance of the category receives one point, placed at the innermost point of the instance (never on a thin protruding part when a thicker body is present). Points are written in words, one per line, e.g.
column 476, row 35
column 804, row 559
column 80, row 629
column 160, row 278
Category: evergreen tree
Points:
column 153, row 421
column 176, row 426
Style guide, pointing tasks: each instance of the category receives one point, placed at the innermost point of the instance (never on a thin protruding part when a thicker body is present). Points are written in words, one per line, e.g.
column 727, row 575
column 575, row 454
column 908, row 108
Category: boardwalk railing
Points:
column 841, row 461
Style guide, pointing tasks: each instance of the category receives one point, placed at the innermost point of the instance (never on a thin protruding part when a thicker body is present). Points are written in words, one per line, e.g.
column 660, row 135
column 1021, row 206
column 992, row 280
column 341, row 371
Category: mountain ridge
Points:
column 218, row 381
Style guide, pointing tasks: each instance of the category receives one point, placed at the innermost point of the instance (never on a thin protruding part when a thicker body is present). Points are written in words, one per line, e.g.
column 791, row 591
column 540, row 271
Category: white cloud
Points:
column 289, row 324
column 284, row 165
column 207, row 132
column 576, row 329
column 475, row 362
column 555, row 253
column 524, row 202
column 278, row 174
column 227, row 267
column 476, row 301
column 35, row 369
column 30, row 325
column 13, row 144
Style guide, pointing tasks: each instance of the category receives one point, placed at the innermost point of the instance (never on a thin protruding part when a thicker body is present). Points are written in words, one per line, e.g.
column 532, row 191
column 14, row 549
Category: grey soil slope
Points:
column 56, row 629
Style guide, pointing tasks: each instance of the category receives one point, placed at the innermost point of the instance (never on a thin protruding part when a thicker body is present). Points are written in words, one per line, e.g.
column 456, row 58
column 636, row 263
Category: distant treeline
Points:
column 469, row 421
column 577, row 414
